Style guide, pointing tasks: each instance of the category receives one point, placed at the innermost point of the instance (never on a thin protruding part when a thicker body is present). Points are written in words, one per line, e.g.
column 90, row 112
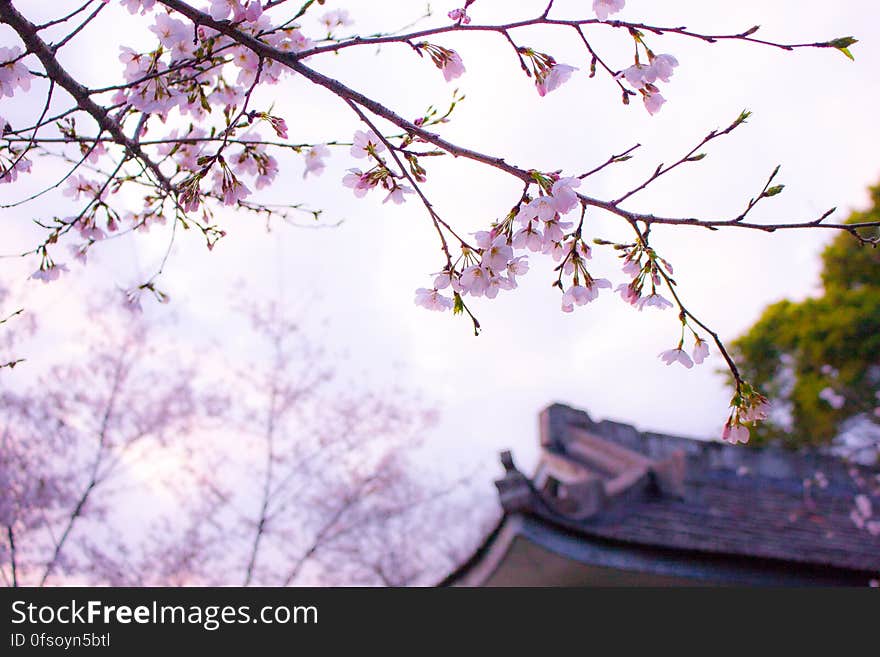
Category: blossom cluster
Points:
column 208, row 145
column 367, row 144
column 748, row 406
column 195, row 75
column 539, row 225
column 644, row 78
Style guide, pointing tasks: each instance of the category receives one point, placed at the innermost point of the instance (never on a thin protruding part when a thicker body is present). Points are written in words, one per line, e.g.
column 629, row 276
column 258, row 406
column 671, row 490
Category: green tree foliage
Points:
column 797, row 350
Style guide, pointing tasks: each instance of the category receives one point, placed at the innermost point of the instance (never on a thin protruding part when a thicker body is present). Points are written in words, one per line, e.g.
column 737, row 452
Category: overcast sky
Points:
column 815, row 113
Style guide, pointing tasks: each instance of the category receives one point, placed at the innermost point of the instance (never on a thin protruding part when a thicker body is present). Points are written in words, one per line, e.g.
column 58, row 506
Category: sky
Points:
column 814, row 113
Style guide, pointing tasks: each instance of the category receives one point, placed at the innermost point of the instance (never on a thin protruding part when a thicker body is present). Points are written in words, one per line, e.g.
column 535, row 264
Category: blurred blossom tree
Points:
column 64, row 441
column 128, row 467
column 178, row 132
column 819, row 359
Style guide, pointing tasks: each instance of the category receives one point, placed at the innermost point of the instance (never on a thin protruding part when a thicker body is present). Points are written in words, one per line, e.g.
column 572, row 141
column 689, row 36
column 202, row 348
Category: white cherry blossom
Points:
column 677, row 355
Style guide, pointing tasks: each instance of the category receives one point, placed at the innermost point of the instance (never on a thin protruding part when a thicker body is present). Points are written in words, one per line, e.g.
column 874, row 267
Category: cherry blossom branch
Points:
column 33, row 138
column 94, row 476
column 574, row 23
column 267, row 482
column 692, row 156
column 598, row 60
column 66, row 17
column 621, row 157
column 715, row 224
column 70, row 36
column 185, row 73
column 28, row 34
column 523, row 174
column 292, row 61
column 435, row 218
column 325, row 529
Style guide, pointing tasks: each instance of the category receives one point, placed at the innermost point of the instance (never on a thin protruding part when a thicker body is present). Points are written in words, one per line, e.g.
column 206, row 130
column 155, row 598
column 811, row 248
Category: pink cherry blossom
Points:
column 174, row 35
column 13, row 74
column 268, row 170
column 653, row 300
column 542, row 207
column 564, row 197
column 248, row 62
column 279, row 125
column 677, row 355
column 444, row 279
column 555, row 250
column 290, row 41
column 474, row 280
column 628, row 293
column 234, row 192
column 77, row 185
column 756, row 413
column 484, row 238
column 134, row 6
column 432, row 300
column 10, row 174
column 495, row 284
column 79, row 252
column 632, row 266
column 136, row 64
column 452, row 67
column 95, row 152
column 701, row 351
column 518, row 266
column 558, row 75
column 605, row 7
column 49, row 272
column 653, row 102
column 397, row 194
column 220, row 9
column 662, row 67
column 580, row 295
column 227, row 95
column 498, row 254
column 554, row 231
column 365, row 142
column 336, row 18
column 253, row 11
column 359, row 182
column 530, row 238
column 735, row 434
column 637, row 75
column 314, row 159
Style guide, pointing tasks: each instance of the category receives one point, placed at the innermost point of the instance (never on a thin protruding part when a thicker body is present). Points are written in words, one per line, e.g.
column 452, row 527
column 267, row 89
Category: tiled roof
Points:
column 736, row 501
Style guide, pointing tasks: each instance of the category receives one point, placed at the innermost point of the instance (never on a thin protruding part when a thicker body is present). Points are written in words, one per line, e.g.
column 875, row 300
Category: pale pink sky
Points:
column 814, row 113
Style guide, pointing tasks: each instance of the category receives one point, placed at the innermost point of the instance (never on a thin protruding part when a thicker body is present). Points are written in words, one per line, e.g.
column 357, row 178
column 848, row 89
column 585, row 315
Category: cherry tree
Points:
column 317, row 481
column 176, row 133
column 135, row 464
column 66, row 442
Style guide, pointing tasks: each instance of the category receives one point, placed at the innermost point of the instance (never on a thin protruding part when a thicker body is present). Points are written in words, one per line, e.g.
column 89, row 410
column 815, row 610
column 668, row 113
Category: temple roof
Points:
column 608, row 482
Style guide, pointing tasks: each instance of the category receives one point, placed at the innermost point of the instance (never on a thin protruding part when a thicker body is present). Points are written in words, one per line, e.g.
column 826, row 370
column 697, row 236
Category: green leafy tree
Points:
column 819, row 360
